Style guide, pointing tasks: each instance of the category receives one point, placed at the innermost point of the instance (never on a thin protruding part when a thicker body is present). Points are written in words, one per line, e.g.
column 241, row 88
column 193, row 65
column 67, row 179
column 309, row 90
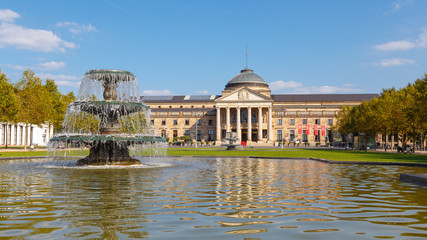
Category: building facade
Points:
column 248, row 108
column 14, row 134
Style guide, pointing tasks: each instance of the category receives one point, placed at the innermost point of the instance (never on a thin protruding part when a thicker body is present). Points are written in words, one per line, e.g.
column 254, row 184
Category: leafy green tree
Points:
column 59, row 106
column 402, row 112
column 415, row 108
column 35, row 101
column 81, row 122
column 56, row 113
column 9, row 104
column 133, row 123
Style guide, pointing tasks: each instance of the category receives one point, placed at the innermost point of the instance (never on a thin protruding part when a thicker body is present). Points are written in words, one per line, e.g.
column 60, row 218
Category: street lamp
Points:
column 196, row 114
column 282, row 129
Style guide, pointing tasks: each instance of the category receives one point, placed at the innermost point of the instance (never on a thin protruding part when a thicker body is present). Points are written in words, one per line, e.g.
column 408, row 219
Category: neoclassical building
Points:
column 14, row 134
column 248, row 108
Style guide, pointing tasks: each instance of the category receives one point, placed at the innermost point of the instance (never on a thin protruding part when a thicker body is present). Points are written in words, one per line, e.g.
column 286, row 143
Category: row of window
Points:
column 203, row 106
column 292, row 135
column 187, row 122
column 187, row 133
column 304, row 121
column 210, row 122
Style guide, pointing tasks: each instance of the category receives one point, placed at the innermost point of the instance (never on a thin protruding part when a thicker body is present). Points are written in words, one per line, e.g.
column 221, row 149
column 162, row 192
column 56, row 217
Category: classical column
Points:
column 270, row 125
column 259, row 123
column 249, row 125
column 218, row 123
column 239, row 130
column 227, row 120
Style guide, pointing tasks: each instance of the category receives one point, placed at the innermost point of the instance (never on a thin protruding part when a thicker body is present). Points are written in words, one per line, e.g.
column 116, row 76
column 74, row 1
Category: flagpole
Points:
column 246, row 56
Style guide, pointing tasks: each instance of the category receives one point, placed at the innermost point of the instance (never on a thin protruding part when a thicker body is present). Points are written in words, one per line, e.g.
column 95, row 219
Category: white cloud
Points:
column 394, row 62
column 278, row 85
column 396, row 45
column 12, row 35
column 7, row 15
column 52, row 65
column 17, row 67
column 421, row 41
column 202, row 92
column 77, row 28
column 325, row 90
column 156, row 92
column 397, row 5
column 293, row 87
column 61, row 79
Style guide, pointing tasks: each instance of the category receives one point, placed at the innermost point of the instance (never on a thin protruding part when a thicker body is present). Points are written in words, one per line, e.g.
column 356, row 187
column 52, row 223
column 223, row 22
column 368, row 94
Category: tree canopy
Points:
column 8, row 100
column 30, row 101
column 402, row 112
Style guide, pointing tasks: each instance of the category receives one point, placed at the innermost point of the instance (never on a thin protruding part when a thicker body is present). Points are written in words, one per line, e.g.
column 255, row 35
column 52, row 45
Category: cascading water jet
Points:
column 115, row 127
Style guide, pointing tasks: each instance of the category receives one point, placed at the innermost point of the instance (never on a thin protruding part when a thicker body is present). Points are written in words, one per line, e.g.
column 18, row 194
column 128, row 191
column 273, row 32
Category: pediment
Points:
column 244, row 95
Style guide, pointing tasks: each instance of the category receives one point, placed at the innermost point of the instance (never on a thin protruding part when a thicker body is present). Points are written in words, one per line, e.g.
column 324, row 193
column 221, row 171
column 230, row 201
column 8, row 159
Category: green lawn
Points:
column 336, row 155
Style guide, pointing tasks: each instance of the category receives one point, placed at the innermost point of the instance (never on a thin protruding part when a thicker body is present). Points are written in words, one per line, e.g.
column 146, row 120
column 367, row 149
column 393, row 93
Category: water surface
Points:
column 210, row 198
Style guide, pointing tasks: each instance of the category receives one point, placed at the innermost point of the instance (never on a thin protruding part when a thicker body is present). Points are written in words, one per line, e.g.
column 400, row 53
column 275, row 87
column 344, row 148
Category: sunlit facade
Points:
column 248, row 108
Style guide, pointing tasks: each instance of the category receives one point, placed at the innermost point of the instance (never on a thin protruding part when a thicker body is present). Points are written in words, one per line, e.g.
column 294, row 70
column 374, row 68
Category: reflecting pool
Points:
column 210, row 198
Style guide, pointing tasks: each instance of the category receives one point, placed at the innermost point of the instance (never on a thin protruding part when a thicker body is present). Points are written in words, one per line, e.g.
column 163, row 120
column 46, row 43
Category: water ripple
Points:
column 210, row 198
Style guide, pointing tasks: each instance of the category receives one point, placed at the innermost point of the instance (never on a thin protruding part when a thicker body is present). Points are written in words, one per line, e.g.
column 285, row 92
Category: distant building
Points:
column 14, row 134
column 248, row 108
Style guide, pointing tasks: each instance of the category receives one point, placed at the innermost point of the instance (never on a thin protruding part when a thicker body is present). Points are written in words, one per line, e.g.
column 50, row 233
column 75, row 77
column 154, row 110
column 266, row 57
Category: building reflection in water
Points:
column 212, row 197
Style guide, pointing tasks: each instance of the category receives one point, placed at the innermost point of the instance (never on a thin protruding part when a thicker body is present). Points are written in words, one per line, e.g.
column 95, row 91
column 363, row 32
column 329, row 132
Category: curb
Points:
column 371, row 163
column 416, row 177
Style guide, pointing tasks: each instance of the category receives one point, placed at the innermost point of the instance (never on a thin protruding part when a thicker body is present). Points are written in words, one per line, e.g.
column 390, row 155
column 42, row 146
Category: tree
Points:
column 133, row 123
column 35, row 101
column 59, row 105
column 55, row 110
column 9, row 104
column 82, row 123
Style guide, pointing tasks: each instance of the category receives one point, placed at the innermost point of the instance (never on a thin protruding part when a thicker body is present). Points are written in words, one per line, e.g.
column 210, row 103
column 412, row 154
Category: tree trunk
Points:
column 385, row 149
column 375, row 142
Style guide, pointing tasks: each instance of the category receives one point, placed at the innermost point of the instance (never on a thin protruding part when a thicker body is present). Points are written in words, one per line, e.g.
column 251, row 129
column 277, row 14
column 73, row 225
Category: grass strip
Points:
column 329, row 154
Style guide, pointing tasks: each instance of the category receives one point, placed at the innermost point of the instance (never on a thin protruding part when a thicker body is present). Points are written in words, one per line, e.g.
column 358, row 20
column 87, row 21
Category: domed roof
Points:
column 246, row 77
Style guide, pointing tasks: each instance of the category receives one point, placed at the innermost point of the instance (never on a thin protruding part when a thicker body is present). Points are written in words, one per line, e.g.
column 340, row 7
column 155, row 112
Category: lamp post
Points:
column 283, row 132
column 196, row 114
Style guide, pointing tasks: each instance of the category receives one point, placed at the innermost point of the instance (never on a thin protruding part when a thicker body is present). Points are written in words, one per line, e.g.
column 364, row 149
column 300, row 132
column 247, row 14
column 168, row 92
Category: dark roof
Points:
column 322, row 97
column 183, row 109
column 275, row 97
column 177, row 99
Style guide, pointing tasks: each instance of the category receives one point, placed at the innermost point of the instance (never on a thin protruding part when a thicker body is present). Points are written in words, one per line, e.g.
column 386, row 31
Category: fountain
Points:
column 115, row 128
column 231, row 137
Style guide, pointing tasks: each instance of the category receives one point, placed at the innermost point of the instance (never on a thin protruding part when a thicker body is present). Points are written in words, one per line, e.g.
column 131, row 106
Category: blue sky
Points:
column 196, row 47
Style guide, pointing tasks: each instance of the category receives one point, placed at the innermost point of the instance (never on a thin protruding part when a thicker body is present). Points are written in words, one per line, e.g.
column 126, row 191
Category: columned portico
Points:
column 270, row 125
column 249, row 124
column 238, row 125
column 247, row 113
column 259, row 124
column 218, row 124
column 227, row 122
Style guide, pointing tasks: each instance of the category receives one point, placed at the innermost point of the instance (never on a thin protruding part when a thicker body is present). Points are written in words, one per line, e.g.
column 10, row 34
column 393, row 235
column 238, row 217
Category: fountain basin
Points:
column 210, row 198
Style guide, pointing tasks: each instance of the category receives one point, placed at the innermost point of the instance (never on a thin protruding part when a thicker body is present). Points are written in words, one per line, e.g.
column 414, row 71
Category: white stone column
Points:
column 218, row 124
column 249, row 124
column 227, row 120
column 259, row 123
column 238, row 130
column 270, row 125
